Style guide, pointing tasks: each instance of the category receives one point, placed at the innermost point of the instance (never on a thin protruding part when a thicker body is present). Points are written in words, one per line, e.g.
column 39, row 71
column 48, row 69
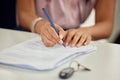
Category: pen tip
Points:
column 63, row 44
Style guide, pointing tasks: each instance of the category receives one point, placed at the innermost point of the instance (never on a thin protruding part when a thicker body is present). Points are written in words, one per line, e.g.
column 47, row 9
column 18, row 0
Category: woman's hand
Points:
column 48, row 34
column 77, row 37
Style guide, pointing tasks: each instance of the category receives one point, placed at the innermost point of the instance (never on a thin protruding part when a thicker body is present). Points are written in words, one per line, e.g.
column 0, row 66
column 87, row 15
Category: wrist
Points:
column 39, row 26
column 88, row 30
column 34, row 23
column 91, row 32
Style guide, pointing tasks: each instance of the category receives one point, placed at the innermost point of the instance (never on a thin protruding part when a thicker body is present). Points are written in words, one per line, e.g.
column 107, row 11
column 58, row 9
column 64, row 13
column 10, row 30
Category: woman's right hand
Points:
column 48, row 34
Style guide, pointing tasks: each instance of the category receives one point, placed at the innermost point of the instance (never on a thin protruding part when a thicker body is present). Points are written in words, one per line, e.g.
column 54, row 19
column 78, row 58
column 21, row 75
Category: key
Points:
column 66, row 73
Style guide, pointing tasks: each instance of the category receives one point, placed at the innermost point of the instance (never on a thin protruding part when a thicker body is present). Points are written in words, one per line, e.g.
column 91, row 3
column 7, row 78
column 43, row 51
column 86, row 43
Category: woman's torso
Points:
column 66, row 13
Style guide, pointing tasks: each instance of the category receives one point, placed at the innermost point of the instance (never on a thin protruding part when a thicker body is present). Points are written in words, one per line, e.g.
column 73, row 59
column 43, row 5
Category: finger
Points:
column 75, row 39
column 69, row 37
column 48, row 36
column 81, row 40
column 61, row 38
column 54, row 34
column 59, row 28
column 47, row 42
column 88, row 40
column 62, row 35
column 44, row 32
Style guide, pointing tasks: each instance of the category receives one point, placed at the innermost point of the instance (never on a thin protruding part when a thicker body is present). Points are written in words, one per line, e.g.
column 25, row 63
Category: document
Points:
column 33, row 54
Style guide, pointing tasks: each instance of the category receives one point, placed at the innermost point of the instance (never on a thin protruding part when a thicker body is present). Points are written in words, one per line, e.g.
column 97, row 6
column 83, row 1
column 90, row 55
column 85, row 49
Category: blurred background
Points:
column 8, row 14
column 116, row 31
column 8, row 19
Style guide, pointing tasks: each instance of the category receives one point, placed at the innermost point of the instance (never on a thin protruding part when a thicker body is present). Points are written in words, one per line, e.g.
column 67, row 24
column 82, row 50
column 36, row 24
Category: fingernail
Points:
column 61, row 36
column 85, row 44
column 60, row 41
column 66, row 44
column 73, row 45
column 78, row 45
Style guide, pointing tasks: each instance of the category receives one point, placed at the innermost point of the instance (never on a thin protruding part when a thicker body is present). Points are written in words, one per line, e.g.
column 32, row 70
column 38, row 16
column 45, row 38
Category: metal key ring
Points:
column 77, row 63
column 78, row 66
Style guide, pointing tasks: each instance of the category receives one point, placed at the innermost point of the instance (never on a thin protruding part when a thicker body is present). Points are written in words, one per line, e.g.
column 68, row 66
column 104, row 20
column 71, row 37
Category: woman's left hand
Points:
column 77, row 37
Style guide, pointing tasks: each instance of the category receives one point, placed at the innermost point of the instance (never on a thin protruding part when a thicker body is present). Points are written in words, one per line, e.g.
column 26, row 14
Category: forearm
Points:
column 25, row 20
column 104, row 19
column 101, row 30
column 26, row 13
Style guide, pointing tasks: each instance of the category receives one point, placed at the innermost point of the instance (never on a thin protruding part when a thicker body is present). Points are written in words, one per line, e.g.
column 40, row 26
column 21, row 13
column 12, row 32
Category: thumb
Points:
column 61, row 31
column 62, row 34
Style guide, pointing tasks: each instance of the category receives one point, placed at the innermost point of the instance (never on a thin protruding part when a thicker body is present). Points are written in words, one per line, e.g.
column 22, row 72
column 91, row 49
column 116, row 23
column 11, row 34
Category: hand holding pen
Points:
column 52, row 34
column 48, row 34
column 52, row 24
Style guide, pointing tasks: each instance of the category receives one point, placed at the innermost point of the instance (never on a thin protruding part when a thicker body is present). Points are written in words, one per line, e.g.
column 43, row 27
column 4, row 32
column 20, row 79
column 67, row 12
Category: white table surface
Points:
column 104, row 62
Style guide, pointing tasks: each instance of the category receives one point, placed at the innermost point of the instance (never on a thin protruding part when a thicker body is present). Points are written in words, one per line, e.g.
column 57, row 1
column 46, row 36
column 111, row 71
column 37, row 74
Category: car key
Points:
column 66, row 73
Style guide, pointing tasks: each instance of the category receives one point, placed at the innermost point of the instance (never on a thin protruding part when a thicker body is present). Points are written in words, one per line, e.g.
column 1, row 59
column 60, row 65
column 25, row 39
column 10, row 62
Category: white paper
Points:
column 32, row 54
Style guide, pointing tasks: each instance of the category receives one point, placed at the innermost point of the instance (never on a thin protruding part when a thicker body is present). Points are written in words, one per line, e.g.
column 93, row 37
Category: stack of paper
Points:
column 32, row 54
